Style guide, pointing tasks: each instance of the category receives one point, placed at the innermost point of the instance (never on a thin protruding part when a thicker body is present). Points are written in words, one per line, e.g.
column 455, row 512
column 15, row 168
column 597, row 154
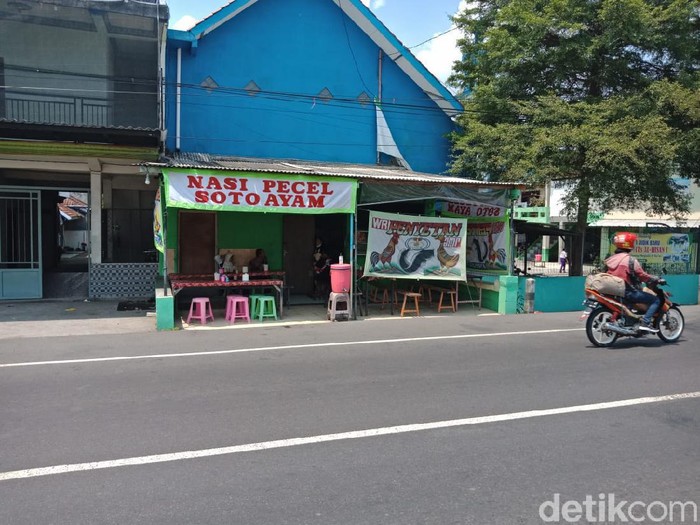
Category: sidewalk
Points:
column 48, row 318
column 51, row 318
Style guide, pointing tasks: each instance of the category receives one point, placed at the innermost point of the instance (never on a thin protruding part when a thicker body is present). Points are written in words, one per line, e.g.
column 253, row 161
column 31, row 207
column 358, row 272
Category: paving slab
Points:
column 48, row 318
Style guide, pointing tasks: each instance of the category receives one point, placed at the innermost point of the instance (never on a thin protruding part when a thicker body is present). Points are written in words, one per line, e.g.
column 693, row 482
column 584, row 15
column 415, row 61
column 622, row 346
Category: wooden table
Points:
column 179, row 283
column 232, row 276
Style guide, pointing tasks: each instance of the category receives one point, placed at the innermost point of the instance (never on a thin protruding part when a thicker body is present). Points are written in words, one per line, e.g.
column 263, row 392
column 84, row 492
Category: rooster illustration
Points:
column 447, row 260
column 495, row 255
column 488, row 255
column 385, row 257
column 481, row 256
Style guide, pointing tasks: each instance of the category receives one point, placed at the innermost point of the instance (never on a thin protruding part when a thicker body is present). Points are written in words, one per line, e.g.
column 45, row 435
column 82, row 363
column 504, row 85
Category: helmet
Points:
column 624, row 240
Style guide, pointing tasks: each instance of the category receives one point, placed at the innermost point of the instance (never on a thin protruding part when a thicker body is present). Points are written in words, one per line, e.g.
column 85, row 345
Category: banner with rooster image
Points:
column 488, row 247
column 407, row 247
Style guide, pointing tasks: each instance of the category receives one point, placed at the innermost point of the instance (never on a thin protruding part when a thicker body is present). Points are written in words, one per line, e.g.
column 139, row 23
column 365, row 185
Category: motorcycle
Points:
column 608, row 318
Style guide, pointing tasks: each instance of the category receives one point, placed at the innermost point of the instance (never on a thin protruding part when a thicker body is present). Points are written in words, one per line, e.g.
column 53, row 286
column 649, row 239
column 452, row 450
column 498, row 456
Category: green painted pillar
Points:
column 165, row 311
column 507, row 294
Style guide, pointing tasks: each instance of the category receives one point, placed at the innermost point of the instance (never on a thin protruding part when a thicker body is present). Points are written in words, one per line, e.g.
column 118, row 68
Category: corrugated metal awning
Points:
column 332, row 169
column 646, row 223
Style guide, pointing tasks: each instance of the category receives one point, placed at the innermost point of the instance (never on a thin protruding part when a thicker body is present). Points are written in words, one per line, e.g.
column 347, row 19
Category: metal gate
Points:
column 20, row 244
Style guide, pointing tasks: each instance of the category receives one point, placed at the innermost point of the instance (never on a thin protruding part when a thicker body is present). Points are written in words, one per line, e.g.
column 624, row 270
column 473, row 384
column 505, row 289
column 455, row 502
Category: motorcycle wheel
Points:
column 671, row 324
column 594, row 330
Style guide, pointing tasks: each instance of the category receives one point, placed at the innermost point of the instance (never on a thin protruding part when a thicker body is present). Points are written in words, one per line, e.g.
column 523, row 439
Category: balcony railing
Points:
column 61, row 98
column 57, row 109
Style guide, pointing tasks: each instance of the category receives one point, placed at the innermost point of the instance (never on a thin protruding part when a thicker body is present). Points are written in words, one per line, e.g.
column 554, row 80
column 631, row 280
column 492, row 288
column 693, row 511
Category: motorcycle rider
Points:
column 623, row 265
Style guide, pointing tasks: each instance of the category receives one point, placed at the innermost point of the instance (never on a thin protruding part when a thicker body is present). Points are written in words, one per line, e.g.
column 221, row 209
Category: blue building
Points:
column 312, row 90
column 304, row 79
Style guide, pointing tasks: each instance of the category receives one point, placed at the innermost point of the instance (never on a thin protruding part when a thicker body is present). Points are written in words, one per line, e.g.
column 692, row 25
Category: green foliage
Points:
column 601, row 95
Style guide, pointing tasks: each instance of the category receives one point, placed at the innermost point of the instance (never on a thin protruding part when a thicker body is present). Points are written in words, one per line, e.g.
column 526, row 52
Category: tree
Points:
column 601, row 96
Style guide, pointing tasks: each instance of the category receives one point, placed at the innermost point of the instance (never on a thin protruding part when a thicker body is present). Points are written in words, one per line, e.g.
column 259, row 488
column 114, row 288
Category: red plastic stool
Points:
column 200, row 309
column 233, row 312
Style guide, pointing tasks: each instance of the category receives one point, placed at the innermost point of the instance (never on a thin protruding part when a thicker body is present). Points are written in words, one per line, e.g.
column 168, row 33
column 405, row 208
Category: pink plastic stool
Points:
column 233, row 311
column 200, row 309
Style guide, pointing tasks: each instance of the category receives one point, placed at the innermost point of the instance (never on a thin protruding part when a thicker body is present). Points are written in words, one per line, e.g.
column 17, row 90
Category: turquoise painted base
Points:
column 165, row 311
column 565, row 294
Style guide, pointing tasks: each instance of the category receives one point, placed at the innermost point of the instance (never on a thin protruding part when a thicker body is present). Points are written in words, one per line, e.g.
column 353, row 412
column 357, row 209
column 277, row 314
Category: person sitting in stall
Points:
column 257, row 263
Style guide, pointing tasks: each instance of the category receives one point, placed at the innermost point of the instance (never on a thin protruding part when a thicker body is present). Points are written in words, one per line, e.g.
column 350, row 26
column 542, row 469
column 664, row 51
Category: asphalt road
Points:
column 402, row 421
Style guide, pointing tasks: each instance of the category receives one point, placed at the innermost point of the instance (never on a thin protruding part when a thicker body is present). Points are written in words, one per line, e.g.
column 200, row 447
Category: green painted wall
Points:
column 165, row 311
column 239, row 230
column 508, row 294
column 171, row 231
column 253, row 230
column 489, row 298
column 170, row 237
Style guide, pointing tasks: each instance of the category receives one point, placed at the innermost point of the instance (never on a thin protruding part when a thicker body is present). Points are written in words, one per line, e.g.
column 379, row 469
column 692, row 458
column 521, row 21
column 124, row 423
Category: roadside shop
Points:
column 217, row 212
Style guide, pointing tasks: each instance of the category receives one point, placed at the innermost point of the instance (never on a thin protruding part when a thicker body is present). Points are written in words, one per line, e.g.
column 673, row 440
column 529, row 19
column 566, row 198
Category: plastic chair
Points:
column 334, row 299
column 200, row 308
column 237, row 308
column 254, row 304
column 266, row 307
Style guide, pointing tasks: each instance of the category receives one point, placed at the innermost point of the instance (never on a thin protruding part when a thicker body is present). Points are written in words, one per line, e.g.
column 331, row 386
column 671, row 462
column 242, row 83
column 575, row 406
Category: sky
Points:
column 412, row 21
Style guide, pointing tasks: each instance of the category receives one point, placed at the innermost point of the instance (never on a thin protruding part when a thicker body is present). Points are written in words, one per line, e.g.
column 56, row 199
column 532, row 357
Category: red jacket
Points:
column 619, row 266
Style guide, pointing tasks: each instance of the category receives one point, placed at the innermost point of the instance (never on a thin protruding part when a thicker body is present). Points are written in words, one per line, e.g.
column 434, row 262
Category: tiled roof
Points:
column 74, row 202
column 69, row 212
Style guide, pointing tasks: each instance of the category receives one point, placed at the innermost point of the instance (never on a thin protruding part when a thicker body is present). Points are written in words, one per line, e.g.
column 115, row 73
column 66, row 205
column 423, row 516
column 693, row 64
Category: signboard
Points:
column 487, row 247
column 215, row 190
column 158, row 224
column 474, row 210
column 407, row 247
column 487, row 235
column 670, row 251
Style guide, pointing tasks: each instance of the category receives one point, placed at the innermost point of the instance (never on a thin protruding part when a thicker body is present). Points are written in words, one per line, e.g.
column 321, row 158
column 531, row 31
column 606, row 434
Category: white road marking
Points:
column 357, row 434
column 267, row 324
column 283, row 347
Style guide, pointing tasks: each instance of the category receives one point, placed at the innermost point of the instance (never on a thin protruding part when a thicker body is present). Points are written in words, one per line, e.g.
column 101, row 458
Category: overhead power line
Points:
column 434, row 37
column 398, row 53
column 194, row 91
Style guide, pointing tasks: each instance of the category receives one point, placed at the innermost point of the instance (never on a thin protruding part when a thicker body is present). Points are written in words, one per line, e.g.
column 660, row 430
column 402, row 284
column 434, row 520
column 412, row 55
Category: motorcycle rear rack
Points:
column 604, row 298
